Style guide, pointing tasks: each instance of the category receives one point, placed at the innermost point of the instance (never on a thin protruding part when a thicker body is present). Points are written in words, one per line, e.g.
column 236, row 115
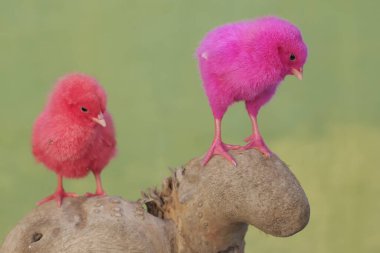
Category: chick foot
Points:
column 58, row 196
column 99, row 188
column 258, row 143
column 219, row 148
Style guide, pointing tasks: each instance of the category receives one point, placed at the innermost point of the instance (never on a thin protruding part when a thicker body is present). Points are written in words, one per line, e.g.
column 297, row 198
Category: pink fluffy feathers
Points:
column 246, row 61
column 74, row 134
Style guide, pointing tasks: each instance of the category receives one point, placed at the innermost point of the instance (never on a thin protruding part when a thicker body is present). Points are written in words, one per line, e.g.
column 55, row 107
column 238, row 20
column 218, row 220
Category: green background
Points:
column 325, row 127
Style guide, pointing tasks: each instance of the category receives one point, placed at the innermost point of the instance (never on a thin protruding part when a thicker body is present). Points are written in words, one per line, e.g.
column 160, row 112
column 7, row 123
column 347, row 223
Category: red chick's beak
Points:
column 100, row 120
column 297, row 73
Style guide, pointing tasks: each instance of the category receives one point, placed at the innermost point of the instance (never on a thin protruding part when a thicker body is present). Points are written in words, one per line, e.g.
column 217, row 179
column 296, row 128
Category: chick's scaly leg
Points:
column 255, row 140
column 218, row 147
column 99, row 187
column 58, row 195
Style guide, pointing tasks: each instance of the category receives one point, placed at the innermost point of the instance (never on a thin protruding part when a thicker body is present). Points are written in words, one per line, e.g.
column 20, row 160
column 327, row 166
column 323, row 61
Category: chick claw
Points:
column 232, row 147
column 250, row 138
column 219, row 148
column 89, row 194
column 58, row 196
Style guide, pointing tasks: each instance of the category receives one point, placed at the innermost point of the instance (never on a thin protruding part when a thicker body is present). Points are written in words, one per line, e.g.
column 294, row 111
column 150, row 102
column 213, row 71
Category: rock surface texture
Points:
column 199, row 209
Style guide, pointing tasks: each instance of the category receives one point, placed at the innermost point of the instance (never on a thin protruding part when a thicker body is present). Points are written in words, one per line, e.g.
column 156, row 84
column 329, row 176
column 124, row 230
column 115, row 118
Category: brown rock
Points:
column 199, row 209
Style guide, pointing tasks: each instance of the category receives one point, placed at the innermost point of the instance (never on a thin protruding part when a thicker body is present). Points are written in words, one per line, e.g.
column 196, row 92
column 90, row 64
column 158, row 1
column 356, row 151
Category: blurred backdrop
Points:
column 325, row 127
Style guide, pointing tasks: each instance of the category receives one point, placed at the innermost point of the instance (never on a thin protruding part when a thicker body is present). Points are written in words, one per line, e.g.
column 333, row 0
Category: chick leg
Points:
column 99, row 187
column 58, row 195
column 217, row 146
column 255, row 140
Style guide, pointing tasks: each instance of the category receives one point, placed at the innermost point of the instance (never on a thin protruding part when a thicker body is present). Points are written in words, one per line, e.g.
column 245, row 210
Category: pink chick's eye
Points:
column 84, row 109
column 292, row 57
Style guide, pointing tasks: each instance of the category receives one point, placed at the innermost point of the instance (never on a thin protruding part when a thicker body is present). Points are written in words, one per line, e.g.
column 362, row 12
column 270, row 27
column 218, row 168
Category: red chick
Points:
column 74, row 134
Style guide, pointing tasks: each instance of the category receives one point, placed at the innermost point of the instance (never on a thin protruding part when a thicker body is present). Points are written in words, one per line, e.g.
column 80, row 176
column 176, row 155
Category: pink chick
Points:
column 74, row 134
column 246, row 61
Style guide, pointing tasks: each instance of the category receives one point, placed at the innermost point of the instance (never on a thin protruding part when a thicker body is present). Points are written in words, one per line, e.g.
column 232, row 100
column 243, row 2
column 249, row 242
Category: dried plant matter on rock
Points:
column 199, row 209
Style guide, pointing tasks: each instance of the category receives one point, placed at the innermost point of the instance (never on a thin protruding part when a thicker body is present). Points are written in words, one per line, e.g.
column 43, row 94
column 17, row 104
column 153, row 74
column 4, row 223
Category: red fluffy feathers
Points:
column 74, row 134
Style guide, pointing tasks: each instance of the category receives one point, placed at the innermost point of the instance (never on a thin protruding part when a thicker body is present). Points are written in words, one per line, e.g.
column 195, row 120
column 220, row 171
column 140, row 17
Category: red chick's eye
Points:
column 84, row 109
column 292, row 57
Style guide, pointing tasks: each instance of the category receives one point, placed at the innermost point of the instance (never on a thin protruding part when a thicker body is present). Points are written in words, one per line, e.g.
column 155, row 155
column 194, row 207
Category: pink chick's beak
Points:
column 297, row 73
column 100, row 120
